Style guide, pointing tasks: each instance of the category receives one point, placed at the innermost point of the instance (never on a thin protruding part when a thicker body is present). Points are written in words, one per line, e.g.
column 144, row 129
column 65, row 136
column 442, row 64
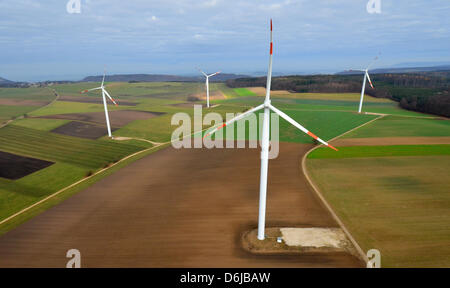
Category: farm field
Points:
column 16, row 102
column 42, row 133
column 399, row 203
column 394, row 126
column 176, row 221
column 405, row 180
column 73, row 158
column 347, row 102
column 71, row 134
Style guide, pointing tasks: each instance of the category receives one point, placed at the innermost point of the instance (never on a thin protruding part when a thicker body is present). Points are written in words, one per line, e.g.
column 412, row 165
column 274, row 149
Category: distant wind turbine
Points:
column 267, row 106
column 366, row 77
column 207, row 84
column 104, row 93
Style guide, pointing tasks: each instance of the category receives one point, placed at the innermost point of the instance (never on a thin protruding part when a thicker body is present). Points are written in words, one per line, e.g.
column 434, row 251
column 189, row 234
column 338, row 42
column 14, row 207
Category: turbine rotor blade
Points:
column 297, row 125
column 370, row 81
column 109, row 96
column 85, row 91
column 214, row 74
column 237, row 118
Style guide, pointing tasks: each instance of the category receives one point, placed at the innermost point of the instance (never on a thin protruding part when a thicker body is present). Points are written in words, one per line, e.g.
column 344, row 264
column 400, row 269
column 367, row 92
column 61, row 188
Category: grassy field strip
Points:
column 92, row 176
column 59, row 148
column 381, row 151
column 362, row 254
column 399, row 126
column 389, row 110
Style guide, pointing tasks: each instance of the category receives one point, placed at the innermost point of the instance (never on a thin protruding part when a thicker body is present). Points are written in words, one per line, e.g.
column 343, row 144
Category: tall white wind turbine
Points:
column 366, row 77
column 267, row 106
column 207, row 84
column 105, row 104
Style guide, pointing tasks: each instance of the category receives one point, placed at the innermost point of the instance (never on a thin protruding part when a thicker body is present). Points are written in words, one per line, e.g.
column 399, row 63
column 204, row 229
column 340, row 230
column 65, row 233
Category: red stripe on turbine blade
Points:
column 271, row 48
column 270, row 24
column 312, row 135
column 332, row 147
column 218, row 128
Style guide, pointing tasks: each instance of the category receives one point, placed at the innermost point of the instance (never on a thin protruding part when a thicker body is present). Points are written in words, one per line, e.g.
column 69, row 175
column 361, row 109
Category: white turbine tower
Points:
column 366, row 77
column 104, row 93
column 267, row 106
column 207, row 84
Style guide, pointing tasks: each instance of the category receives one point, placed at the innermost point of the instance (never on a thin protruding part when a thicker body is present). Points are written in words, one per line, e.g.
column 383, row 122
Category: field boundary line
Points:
column 95, row 174
column 361, row 253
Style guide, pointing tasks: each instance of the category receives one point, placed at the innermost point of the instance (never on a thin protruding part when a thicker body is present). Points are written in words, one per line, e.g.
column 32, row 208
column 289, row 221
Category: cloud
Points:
column 210, row 3
column 233, row 34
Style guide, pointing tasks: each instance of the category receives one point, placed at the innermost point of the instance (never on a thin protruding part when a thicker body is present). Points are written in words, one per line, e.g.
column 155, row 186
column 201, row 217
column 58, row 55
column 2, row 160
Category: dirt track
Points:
column 176, row 208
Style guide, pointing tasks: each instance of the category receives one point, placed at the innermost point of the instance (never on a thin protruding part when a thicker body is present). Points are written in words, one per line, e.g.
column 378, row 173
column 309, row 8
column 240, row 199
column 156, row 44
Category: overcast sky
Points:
column 40, row 40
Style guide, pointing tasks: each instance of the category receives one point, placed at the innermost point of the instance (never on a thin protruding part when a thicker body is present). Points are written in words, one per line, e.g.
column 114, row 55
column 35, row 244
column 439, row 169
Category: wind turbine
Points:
column 366, row 77
column 207, row 84
column 104, row 93
column 267, row 106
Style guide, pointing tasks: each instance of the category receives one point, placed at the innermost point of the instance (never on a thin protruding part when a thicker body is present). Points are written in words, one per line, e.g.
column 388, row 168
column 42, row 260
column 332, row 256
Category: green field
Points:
column 380, row 151
column 392, row 198
column 61, row 107
column 398, row 205
column 74, row 158
column 352, row 97
column 40, row 123
column 392, row 126
column 243, row 92
column 41, row 94
column 332, row 104
column 9, row 112
column 55, row 147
